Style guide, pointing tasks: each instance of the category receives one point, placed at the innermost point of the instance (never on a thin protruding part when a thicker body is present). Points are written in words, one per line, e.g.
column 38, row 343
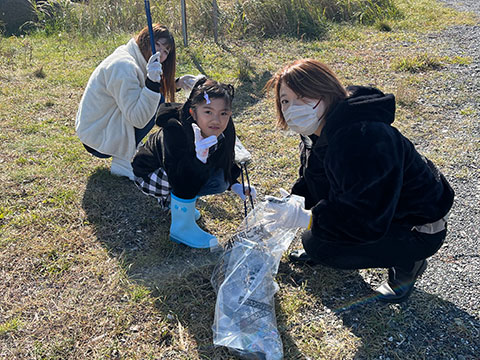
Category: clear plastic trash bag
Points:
column 244, row 280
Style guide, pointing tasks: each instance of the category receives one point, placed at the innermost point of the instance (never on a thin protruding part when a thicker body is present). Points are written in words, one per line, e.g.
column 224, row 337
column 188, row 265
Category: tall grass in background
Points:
column 299, row 18
column 236, row 19
column 96, row 17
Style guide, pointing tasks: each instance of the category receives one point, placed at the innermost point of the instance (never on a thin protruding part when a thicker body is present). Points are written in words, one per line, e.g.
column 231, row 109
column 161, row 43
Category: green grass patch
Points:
column 418, row 63
column 54, row 262
column 429, row 15
column 10, row 326
column 469, row 111
column 462, row 60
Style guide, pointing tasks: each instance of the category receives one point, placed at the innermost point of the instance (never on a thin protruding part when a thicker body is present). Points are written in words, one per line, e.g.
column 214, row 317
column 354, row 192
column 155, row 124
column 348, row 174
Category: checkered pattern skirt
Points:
column 156, row 186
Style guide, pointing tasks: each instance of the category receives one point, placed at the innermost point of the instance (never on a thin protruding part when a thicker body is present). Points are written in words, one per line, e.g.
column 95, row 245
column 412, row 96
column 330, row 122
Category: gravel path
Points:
column 454, row 273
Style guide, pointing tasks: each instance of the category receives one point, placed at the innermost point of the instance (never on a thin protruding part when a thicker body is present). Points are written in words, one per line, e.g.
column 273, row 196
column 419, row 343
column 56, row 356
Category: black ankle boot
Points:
column 300, row 257
column 400, row 282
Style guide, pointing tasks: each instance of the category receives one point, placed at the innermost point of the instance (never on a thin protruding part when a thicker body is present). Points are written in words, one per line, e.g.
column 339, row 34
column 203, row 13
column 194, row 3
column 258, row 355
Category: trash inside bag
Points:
column 244, row 280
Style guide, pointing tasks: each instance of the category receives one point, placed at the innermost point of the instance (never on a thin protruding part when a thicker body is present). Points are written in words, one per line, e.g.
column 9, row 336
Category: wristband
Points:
column 152, row 85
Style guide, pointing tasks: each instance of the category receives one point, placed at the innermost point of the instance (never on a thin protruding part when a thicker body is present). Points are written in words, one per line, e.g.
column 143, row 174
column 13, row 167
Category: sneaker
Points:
column 400, row 283
column 121, row 167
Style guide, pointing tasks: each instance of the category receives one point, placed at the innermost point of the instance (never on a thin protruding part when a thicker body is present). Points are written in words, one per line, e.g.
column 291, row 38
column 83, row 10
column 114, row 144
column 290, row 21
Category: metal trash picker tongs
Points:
column 242, row 158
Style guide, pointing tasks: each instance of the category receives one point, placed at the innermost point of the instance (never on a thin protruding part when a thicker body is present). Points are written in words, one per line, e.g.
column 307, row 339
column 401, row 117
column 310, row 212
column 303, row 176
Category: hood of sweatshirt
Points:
column 167, row 111
column 364, row 104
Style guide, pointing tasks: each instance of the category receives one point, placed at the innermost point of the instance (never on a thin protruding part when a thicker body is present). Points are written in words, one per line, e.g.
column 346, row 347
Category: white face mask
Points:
column 304, row 118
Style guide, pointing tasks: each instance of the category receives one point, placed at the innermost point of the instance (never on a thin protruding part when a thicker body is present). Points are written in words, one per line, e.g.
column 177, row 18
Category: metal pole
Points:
column 249, row 187
column 243, row 189
column 215, row 21
column 149, row 23
column 184, row 23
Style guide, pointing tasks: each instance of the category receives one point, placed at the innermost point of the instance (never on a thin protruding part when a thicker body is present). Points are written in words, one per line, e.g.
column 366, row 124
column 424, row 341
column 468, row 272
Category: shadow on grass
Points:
column 424, row 327
column 124, row 218
column 250, row 91
column 197, row 63
column 131, row 226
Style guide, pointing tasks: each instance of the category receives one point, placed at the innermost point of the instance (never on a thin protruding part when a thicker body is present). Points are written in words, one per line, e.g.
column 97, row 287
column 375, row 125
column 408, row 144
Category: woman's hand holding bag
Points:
column 286, row 214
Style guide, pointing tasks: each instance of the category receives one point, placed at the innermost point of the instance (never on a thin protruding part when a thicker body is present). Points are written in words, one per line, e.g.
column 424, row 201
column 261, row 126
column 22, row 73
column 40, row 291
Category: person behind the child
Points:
column 371, row 200
column 190, row 156
column 122, row 95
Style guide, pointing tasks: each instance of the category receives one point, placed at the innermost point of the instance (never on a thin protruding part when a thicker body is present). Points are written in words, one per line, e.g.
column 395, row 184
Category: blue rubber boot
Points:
column 184, row 229
column 197, row 213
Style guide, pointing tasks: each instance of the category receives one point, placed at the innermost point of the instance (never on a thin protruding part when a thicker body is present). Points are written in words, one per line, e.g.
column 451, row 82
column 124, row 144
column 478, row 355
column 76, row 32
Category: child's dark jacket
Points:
column 173, row 149
column 361, row 175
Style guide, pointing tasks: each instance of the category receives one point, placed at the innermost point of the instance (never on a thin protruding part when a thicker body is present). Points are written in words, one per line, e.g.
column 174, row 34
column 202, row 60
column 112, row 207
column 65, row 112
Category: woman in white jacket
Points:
column 122, row 95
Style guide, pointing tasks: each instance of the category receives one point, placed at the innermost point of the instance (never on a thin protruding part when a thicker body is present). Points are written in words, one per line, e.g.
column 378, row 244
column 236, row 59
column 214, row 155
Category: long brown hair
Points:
column 169, row 65
column 307, row 78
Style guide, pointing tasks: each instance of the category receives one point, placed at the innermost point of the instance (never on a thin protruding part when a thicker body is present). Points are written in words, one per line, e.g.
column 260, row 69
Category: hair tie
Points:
column 205, row 95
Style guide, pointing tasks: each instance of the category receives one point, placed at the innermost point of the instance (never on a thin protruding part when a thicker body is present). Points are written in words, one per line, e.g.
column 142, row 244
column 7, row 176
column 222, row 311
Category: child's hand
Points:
column 237, row 189
column 202, row 144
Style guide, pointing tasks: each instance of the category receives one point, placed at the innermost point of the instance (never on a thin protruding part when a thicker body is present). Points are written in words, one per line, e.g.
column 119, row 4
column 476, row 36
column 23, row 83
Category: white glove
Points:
column 154, row 68
column 202, row 144
column 187, row 82
column 239, row 190
column 285, row 213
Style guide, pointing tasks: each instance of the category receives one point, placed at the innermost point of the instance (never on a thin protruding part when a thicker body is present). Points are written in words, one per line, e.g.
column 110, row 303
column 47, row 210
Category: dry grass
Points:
column 87, row 270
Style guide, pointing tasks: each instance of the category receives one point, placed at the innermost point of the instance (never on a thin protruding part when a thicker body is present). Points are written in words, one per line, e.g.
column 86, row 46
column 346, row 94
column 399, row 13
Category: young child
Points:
column 190, row 156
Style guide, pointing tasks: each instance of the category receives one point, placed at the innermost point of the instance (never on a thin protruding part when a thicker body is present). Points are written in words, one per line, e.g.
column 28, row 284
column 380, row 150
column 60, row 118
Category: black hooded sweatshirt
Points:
column 361, row 175
column 173, row 149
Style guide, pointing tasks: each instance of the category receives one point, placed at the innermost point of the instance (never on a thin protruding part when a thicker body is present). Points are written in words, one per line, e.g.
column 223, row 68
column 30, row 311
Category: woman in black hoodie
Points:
column 371, row 200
